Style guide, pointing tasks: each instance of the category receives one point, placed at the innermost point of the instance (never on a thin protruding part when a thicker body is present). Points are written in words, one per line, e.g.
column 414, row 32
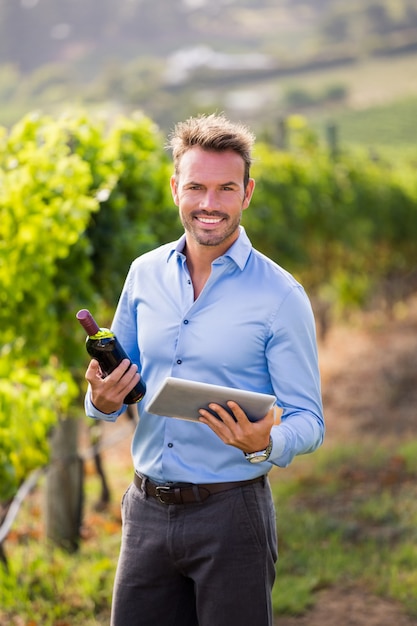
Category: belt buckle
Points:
column 161, row 491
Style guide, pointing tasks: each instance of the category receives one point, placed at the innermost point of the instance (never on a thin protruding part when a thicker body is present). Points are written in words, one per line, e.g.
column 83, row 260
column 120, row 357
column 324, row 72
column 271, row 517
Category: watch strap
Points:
column 260, row 455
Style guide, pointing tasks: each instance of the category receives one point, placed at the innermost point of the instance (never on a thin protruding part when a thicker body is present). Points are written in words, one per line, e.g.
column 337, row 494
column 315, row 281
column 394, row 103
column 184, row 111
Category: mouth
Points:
column 208, row 220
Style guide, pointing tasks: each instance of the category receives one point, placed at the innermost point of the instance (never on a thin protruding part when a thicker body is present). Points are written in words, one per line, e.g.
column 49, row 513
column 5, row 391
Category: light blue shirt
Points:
column 251, row 328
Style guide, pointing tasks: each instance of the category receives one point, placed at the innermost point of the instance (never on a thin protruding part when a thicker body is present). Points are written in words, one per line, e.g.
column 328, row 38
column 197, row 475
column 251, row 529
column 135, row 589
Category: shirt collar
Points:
column 238, row 252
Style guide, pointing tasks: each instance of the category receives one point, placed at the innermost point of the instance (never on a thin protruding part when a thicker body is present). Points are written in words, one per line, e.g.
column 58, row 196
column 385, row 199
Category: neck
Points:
column 199, row 260
column 201, row 255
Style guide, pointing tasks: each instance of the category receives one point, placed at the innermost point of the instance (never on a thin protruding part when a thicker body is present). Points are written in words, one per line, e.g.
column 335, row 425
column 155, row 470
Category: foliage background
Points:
column 78, row 201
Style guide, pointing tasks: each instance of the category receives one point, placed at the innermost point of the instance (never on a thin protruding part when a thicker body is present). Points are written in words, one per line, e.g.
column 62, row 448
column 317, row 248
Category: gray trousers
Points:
column 203, row 564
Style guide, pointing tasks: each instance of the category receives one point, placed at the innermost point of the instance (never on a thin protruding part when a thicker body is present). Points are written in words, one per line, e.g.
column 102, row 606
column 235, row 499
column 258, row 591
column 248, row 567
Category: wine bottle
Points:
column 103, row 345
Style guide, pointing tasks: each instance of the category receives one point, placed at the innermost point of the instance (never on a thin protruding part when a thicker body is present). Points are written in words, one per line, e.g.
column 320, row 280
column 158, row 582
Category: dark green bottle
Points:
column 103, row 345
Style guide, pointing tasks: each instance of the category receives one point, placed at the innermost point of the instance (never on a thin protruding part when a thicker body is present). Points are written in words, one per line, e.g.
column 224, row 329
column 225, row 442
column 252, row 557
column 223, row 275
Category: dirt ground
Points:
column 369, row 376
column 350, row 607
column 369, row 379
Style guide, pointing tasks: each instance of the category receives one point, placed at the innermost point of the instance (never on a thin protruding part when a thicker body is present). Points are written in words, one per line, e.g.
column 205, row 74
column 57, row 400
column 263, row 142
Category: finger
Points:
column 124, row 367
column 129, row 379
column 216, row 422
column 242, row 418
column 211, row 415
column 93, row 371
column 218, row 413
column 238, row 413
column 122, row 378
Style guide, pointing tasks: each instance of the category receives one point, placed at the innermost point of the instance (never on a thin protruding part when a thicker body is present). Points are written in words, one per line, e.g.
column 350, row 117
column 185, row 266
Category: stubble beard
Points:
column 211, row 238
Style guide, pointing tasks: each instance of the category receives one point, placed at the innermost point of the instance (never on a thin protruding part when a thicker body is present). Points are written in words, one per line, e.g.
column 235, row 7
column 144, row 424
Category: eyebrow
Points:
column 230, row 183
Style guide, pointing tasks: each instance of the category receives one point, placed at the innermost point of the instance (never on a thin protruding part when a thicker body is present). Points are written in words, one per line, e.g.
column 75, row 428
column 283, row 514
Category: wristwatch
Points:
column 262, row 455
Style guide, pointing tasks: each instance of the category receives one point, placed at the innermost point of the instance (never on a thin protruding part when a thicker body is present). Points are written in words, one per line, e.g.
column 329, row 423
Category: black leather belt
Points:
column 188, row 493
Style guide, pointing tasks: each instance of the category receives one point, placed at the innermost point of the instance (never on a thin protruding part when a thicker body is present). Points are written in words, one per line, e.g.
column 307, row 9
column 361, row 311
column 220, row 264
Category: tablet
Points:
column 183, row 398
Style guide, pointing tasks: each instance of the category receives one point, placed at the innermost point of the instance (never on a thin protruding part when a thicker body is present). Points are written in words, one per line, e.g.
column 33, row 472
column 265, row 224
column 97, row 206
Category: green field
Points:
column 380, row 108
column 391, row 125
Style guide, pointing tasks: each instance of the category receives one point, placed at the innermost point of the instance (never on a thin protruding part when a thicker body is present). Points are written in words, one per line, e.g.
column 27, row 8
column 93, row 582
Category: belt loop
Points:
column 177, row 495
column 143, row 486
column 196, row 492
column 144, row 480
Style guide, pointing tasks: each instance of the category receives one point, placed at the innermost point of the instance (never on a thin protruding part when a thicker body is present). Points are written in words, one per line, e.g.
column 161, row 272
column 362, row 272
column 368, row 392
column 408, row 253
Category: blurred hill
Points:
column 34, row 32
column 257, row 59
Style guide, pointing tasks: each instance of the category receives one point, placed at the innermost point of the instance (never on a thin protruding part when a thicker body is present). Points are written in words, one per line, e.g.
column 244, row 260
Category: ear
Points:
column 174, row 189
column 248, row 193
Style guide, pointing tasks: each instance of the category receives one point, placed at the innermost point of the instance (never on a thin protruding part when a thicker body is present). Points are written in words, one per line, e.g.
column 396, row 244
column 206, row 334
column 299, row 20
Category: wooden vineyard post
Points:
column 64, row 487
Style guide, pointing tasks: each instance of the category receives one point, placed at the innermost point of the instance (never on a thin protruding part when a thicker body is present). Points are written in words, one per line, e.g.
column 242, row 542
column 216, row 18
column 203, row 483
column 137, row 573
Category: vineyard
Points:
column 81, row 196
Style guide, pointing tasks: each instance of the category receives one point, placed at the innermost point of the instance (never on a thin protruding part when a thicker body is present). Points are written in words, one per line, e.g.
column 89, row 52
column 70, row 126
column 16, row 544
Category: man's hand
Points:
column 107, row 394
column 239, row 432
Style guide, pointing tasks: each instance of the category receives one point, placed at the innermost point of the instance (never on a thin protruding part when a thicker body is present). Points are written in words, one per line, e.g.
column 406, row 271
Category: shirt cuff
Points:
column 95, row 413
column 278, row 445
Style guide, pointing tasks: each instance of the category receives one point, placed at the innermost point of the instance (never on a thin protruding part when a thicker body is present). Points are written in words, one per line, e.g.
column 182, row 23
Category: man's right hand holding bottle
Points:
column 108, row 393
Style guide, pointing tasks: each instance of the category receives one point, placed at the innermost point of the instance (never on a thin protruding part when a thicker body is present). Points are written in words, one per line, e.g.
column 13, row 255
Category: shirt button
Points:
column 185, row 321
column 179, row 361
column 170, row 445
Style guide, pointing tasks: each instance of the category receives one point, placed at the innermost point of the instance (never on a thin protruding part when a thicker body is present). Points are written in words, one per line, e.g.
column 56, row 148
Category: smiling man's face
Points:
column 211, row 196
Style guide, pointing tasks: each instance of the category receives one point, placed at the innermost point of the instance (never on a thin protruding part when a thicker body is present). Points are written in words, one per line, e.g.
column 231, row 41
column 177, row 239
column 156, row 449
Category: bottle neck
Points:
column 103, row 333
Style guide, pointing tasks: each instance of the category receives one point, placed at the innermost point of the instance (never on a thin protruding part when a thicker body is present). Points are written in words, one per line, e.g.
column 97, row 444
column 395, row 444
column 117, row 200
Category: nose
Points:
column 209, row 200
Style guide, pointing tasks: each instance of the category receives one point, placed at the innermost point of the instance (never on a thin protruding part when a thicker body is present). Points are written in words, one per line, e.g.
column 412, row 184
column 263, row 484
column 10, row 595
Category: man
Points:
column 199, row 534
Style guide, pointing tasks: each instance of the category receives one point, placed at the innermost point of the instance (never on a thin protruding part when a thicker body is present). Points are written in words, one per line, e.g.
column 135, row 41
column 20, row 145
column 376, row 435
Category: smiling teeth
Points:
column 210, row 220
